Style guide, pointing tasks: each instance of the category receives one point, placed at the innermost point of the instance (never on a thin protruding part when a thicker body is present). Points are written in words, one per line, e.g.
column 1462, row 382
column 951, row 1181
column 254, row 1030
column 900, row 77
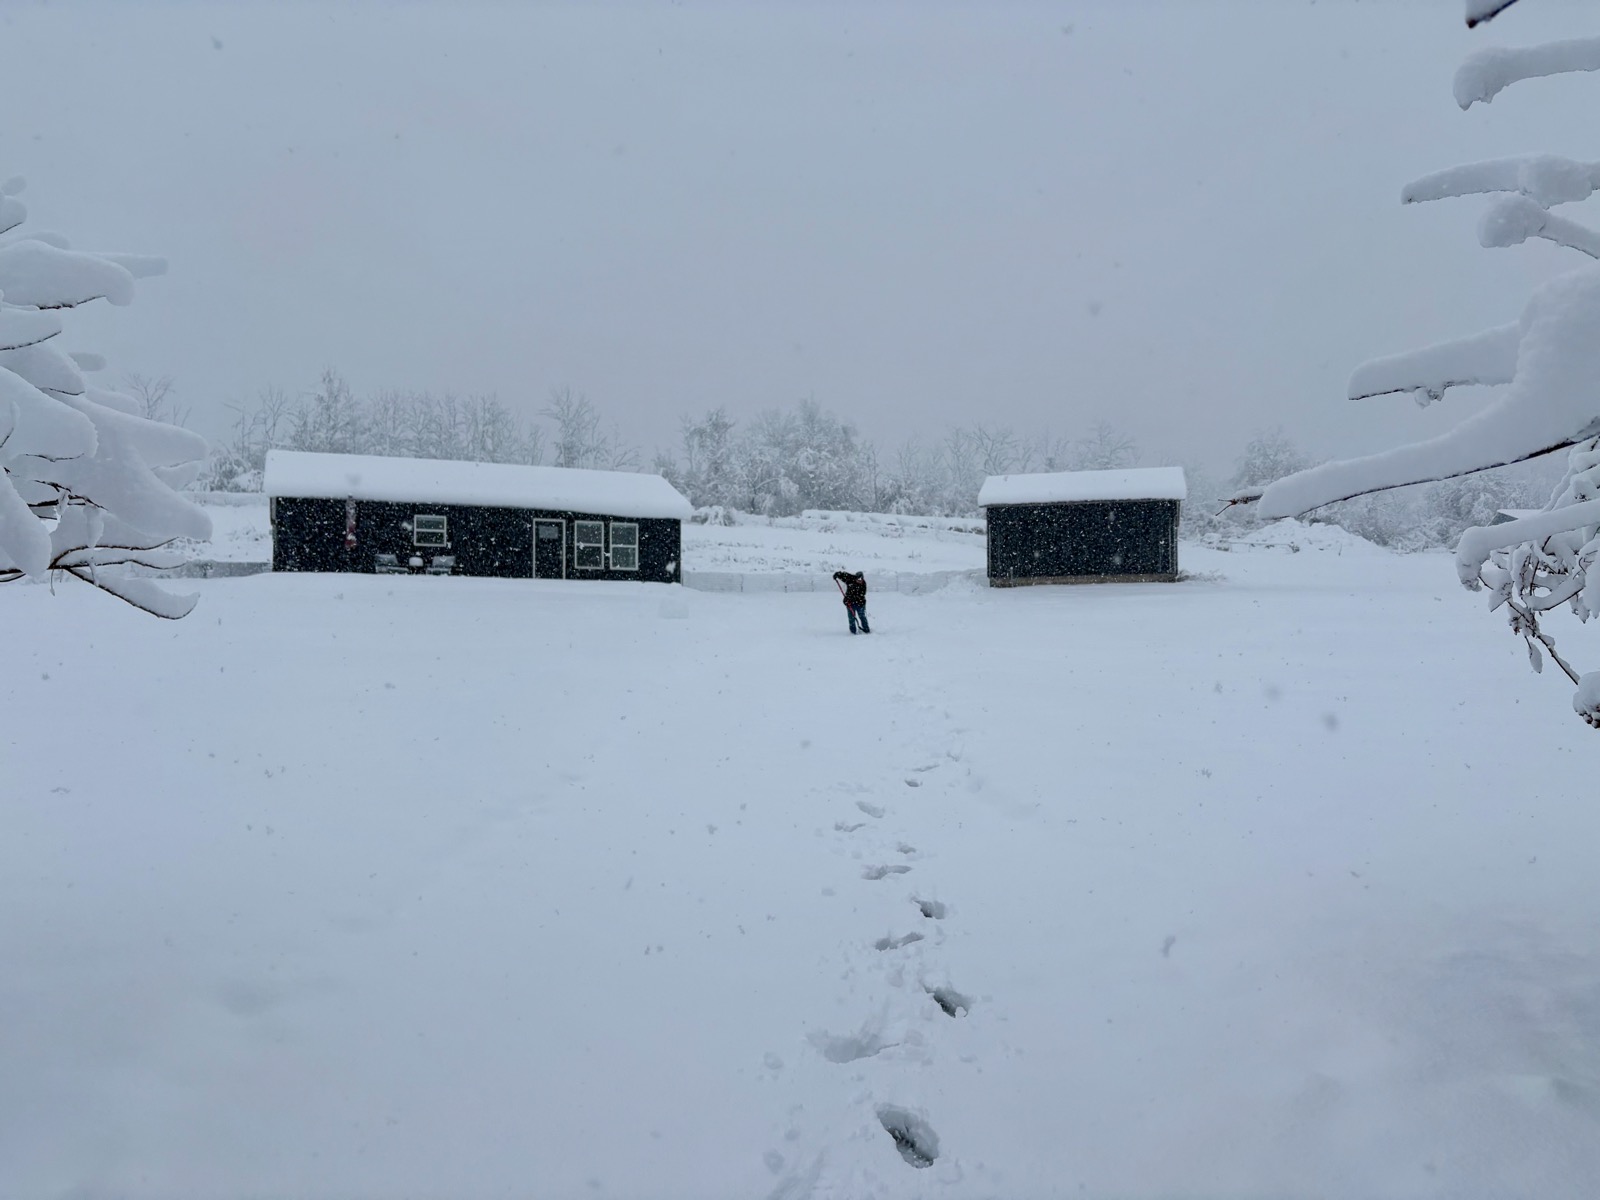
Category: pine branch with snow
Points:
column 87, row 484
column 1547, row 362
column 1479, row 11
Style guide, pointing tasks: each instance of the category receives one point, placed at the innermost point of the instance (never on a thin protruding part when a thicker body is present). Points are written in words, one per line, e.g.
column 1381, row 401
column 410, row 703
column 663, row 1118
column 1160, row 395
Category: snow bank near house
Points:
column 1293, row 535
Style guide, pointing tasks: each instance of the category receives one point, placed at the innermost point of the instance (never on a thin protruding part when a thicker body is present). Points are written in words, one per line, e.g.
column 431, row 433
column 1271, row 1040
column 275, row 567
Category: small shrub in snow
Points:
column 87, row 484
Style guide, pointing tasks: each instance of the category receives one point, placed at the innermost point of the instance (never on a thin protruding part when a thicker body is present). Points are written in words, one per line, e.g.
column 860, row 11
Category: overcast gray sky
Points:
column 1183, row 217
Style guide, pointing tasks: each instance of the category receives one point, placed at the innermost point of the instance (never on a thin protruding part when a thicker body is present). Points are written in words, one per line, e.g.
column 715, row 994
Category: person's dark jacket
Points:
column 855, row 587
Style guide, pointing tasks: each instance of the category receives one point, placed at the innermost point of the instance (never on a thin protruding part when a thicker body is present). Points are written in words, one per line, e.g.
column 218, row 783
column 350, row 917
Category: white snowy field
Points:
column 240, row 531
column 824, row 542
column 1280, row 883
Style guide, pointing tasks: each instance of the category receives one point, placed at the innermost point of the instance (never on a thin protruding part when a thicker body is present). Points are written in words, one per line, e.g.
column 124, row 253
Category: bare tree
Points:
column 1269, row 455
column 389, row 423
column 998, row 450
column 579, row 439
column 1104, row 448
column 329, row 420
column 491, row 432
column 963, row 470
column 258, row 426
column 1052, row 453
column 154, row 398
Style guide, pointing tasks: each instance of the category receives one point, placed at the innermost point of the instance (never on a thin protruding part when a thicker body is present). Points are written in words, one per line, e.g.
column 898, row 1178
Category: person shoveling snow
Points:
column 854, row 588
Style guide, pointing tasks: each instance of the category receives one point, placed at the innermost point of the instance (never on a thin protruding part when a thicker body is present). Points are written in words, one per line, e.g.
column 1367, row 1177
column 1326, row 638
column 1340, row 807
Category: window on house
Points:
column 428, row 531
column 589, row 538
column 624, row 546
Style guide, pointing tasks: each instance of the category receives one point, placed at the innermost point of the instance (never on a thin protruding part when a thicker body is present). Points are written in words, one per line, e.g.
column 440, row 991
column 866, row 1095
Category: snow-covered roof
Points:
column 489, row 485
column 1065, row 487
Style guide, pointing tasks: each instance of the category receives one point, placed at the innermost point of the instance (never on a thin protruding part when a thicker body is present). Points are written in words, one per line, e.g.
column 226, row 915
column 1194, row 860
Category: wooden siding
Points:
column 309, row 535
column 1081, row 542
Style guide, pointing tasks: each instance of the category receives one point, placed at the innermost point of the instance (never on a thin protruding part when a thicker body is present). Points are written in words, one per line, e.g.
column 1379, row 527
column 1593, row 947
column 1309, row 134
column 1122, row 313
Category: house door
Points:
column 549, row 549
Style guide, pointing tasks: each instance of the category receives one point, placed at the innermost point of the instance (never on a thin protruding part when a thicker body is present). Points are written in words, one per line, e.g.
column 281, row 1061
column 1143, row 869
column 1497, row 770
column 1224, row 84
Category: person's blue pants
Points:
column 858, row 612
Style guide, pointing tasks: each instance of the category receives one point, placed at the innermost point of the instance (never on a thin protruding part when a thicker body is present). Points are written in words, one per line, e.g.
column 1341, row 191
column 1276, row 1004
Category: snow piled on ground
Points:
column 1294, row 536
column 240, row 532
column 381, row 886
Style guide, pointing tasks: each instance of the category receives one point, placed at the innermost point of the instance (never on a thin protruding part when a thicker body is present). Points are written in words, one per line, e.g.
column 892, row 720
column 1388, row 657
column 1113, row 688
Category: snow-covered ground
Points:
column 825, row 542
column 1278, row 882
column 240, row 531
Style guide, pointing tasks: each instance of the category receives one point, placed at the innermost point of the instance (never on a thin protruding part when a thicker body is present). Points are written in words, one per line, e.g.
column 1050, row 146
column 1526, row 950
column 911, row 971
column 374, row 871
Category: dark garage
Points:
column 1083, row 526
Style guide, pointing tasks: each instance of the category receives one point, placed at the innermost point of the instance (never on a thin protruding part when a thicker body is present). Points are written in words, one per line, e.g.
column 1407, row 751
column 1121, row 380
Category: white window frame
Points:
column 579, row 545
column 443, row 531
column 633, row 525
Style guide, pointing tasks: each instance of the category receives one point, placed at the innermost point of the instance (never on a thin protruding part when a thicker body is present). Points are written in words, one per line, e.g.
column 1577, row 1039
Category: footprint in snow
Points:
column 913, row 1137
column 913, row 783
column 895, row 943
column 880, row 872
column 851, row 1047
column 872, row 810
column 950, row 1001
column 848, row 826
column 934, row 910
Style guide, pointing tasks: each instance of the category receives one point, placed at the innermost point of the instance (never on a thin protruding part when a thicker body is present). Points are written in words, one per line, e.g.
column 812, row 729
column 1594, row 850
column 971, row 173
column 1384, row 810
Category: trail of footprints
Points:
column 913, row 1137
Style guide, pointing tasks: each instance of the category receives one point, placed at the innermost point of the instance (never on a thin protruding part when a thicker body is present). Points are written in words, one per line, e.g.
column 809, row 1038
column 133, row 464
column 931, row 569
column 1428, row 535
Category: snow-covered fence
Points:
column 891, row 523
column 827, row 520
column 227, row 499
column 203, row 568
column 908, row 583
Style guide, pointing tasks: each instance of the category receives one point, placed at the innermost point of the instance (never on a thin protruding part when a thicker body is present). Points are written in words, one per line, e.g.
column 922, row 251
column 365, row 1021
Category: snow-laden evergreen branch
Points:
column 1512, row 220
column 1546, row 179
column 1551, row 402
column 1487, row 73
column 1548, row 363
column 1483, row 358
column 86, row 483
column 1479, row 11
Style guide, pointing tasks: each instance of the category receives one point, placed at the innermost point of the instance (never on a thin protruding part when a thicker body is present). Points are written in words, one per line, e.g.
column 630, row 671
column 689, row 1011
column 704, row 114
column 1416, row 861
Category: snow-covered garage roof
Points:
column 488, row 485
column 1064, row 487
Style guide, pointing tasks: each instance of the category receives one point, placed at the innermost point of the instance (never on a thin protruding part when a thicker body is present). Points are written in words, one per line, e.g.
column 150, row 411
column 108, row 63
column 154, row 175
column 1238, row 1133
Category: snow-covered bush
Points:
column 87, row 484
column 1548, row 361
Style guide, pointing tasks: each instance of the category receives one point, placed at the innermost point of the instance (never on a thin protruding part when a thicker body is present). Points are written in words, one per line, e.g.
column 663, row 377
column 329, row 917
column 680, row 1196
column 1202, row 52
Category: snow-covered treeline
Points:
column 409, row 424
column 782, row 462
column 786, row 461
